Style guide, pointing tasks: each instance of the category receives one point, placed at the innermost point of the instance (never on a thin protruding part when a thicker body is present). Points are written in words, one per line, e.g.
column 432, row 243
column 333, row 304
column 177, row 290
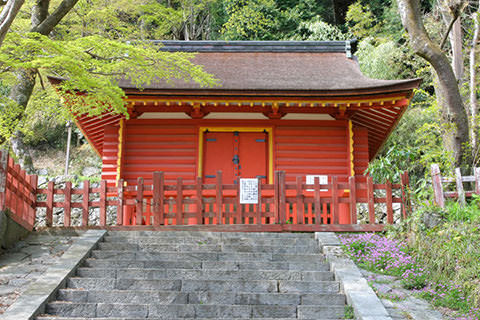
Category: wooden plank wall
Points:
column 154, row 145
column 150, row 146
column 110, row 155
column 320, row 150
column 360, row 150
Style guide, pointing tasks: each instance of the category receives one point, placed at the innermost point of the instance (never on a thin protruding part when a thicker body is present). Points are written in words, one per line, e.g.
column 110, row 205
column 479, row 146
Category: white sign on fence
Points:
column 310, row 179
column 248, row 191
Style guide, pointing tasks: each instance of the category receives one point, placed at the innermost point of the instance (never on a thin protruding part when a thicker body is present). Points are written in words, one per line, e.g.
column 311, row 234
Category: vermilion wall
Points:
column 109, row 155
column 321, row 149
column 300, row 148
column 155, row 145
column 360, row 150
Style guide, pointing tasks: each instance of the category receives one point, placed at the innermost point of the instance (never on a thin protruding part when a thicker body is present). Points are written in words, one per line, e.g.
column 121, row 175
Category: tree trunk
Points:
column 9, row 12
column 22, row 152
column 21, row 92
column 455, row 39
column 447, row 90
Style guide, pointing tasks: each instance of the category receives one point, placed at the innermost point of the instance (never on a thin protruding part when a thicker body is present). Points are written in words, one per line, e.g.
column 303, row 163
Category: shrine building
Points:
column 301, row 107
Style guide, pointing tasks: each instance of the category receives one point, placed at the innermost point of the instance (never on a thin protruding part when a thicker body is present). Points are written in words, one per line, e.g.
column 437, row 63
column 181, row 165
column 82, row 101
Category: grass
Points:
column 349, row 313
column 441, row 265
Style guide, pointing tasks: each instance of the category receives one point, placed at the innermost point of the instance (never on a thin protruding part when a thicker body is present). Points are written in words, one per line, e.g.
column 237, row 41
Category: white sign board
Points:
column 248, row 191
column 310, row 179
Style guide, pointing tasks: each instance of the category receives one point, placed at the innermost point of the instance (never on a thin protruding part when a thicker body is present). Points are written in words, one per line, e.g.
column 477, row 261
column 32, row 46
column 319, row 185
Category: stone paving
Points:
column 28, row 260
column 400, row 303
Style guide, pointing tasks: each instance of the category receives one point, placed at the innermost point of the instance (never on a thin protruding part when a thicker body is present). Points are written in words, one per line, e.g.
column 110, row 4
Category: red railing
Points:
column 354, row 205
column 17, row 192
column 298, row 206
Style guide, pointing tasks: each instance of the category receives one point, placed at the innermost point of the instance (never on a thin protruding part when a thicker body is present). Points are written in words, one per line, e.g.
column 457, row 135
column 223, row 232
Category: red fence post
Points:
column 103, row 203
column 33, row 209
column 179, row 213
column 371, row 200
column 276, row 196
column 85, row 202
column 198, row 188
column 353, row 199
column 437, row 186
column 388, row 196
column 3, row 178
column 300, row 205
column 121, row 202
column 49, row 210
column 259, row 204
column 67, row 203
column 158, row 185
column 318, row 211
column 139, row 200
column 282, row 196
column 238, row 214
column 334, row 207
column 219, row 197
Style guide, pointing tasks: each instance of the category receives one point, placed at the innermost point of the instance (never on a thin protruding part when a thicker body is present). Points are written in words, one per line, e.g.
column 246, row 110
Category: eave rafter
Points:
column 377, row 113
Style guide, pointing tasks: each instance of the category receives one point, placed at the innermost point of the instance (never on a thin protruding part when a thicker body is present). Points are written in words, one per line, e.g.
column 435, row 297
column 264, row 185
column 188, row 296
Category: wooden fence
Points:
column 294, row 206
column 442, row 185
column 354, row 205
column 17, row 192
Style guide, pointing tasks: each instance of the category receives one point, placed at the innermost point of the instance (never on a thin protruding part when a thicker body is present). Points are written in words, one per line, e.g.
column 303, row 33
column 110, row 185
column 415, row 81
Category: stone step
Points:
column 155, row 274
column 251, row 286
column 47, row 317
column 207, row 234
column 117, row 246
column 288, row 242
column 70, row 309
column 175, row 297
column 208, row 265
column 204, row 256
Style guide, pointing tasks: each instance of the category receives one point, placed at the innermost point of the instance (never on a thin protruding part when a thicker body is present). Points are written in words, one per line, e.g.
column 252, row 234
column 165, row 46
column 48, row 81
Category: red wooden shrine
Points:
column 303, row 108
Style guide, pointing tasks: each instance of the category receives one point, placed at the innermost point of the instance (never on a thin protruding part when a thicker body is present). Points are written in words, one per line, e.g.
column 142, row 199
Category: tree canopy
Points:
column 91, row 43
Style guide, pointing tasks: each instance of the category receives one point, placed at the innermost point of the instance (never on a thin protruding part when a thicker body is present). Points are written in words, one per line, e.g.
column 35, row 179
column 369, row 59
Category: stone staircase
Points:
column 201, row 275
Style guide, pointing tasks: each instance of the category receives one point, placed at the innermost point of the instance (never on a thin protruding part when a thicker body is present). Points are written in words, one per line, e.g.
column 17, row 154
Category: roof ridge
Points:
column 258, row 46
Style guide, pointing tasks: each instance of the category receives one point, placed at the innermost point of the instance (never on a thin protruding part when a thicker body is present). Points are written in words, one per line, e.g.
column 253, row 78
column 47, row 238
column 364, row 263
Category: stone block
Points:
column 307, row 286
column 229, row 286
column 274, row 311
column 222, row 311
column 108, row 310
column 66, row 309
column 326, row 312
column 128, row 284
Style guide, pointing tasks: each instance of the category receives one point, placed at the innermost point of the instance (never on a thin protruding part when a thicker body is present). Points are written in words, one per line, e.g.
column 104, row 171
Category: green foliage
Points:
column 318, row 30
column 450, row 252
column 391, row 165
column 361, row 20
column 249, row 19
column 381, row 61
column 10, row 116
column 349, row 313
column 274, row 20
column 469, row 212
column 94, row 64
column 415, row 144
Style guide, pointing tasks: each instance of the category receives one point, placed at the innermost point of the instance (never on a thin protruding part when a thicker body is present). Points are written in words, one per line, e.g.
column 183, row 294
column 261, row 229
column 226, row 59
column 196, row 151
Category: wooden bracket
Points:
column 274, row 112
column 196, row 112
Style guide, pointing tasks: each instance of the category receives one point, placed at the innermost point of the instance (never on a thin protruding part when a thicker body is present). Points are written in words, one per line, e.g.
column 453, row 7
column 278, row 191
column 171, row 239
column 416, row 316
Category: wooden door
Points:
column 253, row 155
column 219, row 152
column 237, row 154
